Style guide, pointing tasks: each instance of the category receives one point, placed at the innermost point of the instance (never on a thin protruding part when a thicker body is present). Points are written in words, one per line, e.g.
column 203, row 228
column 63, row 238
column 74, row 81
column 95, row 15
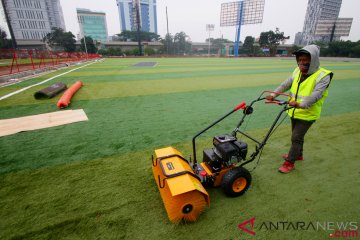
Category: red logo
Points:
column 242, row 226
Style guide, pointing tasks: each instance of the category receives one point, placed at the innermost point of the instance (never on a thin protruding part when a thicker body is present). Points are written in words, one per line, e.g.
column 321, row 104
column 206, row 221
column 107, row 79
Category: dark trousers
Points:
column 298, row 131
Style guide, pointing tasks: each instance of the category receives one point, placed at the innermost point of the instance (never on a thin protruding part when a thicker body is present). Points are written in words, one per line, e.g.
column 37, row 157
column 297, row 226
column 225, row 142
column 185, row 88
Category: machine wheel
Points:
column 236, row 182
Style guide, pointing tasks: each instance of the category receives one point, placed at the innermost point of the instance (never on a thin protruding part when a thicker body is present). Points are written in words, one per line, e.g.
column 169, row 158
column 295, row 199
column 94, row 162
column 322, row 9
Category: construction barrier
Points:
column 20, row 60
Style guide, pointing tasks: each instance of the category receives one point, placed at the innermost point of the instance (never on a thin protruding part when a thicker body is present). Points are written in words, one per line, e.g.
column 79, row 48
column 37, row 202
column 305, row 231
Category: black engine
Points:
column 227, row 150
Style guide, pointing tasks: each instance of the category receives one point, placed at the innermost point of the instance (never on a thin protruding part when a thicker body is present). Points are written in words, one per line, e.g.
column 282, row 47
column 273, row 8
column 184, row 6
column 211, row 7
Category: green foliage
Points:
column 271, row 40
column 128, row 52
column 57, row 38
column 248, row 46
column 135, row 52
column 110, row 52
column 355, row 50
column 342, row 49
column 149, row 51
column 168, row 44
column 4, row 41
column 294, row 48
column 176, row 45
column 180, row 44
column 126, row 36
column 218, row 44
column 320, row 44
column 339, row 49
column 90, row 45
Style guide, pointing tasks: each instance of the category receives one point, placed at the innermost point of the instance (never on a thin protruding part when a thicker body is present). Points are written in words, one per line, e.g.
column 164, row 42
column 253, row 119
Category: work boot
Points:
column 299, row 158
column 286, row 167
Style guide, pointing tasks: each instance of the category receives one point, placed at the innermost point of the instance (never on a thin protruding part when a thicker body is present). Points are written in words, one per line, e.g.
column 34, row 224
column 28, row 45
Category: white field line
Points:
column 36, row 84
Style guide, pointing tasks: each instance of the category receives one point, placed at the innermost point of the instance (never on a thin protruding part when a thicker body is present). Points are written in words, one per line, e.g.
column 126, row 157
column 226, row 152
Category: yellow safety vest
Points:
column 299, row 91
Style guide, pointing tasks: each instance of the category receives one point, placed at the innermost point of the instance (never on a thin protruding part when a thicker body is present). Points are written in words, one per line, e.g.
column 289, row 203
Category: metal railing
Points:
column 20, row 60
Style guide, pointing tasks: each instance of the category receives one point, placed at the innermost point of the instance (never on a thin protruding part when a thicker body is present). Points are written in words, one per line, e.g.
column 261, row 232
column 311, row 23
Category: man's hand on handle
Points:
column 269, row 98
column 294, row 104
column 291, row 104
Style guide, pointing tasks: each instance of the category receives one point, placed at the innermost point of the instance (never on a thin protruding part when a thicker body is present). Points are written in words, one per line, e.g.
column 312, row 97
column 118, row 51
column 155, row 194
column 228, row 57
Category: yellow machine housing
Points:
column 183, row 195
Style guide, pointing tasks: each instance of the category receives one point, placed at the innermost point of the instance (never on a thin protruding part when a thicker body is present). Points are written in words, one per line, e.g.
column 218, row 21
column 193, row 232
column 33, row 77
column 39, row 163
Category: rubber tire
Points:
column 229, row 179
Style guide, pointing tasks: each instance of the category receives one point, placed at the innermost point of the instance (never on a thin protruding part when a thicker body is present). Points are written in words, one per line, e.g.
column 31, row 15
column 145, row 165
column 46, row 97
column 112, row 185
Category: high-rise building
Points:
column 33, row 19
column 317, row 10
column 147, row 15
column 92, row 24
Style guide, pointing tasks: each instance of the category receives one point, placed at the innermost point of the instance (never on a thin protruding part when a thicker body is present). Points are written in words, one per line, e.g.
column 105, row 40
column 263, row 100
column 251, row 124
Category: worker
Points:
column 308, row 87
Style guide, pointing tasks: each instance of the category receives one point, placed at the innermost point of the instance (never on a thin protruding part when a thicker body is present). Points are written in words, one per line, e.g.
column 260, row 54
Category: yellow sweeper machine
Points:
column 181, row 182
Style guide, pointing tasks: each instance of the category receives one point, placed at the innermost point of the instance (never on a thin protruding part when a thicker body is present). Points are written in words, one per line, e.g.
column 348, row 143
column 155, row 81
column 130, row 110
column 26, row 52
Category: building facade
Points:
column 92, row 24
column 147, row 16
column 317, row 10
column 33, row 19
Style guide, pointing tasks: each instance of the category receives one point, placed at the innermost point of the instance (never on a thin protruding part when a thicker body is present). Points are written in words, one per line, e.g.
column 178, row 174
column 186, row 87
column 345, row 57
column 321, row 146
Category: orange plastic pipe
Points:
column 64, row 101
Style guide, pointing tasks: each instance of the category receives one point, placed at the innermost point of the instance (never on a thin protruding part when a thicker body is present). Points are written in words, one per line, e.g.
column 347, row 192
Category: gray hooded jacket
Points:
column 319, row 88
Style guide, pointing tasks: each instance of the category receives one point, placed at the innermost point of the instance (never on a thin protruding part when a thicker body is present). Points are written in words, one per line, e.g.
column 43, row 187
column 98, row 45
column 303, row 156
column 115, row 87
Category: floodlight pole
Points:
column 237, row 40
column 332, row 32
column 138, row 27
column 209, row 45
column 167, row 27
column 209, row 28
column 84, row 38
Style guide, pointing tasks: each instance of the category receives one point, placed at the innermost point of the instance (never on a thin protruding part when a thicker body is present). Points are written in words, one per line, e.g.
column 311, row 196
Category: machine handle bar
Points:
column 277, row 93
column 240, row 106
column 278, row 102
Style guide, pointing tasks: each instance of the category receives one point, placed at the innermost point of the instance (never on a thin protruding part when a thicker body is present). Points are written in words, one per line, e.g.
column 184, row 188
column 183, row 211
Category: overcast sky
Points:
column 191, row 16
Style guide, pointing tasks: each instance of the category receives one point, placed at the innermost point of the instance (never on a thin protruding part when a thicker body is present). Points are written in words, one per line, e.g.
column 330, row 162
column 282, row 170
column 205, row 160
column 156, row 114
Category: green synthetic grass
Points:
column 93, row 180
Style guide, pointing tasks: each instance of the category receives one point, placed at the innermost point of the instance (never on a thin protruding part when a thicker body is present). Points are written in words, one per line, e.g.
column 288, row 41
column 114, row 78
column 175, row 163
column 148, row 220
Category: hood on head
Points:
column 314, row 52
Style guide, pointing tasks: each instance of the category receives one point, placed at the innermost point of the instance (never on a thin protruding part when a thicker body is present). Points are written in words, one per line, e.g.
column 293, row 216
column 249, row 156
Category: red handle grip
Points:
column 240, row 106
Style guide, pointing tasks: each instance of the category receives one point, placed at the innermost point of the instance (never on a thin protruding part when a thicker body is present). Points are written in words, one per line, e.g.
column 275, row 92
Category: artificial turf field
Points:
column 93, row 179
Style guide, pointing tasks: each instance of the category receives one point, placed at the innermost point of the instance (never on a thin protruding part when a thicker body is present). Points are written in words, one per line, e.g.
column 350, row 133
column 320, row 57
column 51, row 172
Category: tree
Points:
column 4, row 41
column 60, row 39
column 132, row 36
column 355, row 51
column 168, row 44
column 340, row 48
column 180, row 43
column 90, row 46
column 248, row 46
column 218, row 44
column 149, row 51
column 271, row 40
column 135, row 52
column 177, row 44
column 110, row 51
